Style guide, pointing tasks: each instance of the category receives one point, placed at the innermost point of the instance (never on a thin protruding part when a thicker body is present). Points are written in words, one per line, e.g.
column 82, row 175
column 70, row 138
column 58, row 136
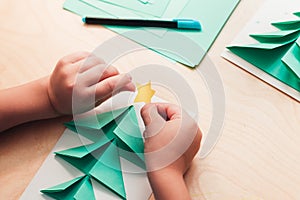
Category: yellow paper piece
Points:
column 145, row 93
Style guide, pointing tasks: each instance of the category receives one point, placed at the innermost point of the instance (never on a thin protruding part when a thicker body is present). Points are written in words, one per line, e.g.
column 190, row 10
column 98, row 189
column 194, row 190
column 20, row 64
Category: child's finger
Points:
column 74, row 57
column 108, row 72
column 153, row 121
column 169, row 111
column 112, row 85
column 89, row 62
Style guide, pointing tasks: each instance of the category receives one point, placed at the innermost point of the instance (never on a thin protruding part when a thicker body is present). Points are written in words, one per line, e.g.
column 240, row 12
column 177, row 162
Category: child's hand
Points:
column 172, row 139
column 82, row 80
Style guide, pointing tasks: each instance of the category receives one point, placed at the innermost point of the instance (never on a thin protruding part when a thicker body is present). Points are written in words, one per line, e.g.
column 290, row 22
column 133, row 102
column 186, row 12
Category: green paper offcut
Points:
column 277, row 37
column 297, row 14
column 269, row 60
column 212, row 15
column 79, row 188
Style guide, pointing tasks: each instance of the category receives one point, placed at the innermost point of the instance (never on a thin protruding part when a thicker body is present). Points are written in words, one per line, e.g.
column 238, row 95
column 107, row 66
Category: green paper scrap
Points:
column 113, row 134
column 187, row 47
column 277, row 54
column 79, row 188
column 297, row 14
column 156, row 9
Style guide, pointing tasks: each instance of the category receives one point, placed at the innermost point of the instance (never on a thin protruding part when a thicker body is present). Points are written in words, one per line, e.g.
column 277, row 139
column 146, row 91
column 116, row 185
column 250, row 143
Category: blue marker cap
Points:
column 188, row 24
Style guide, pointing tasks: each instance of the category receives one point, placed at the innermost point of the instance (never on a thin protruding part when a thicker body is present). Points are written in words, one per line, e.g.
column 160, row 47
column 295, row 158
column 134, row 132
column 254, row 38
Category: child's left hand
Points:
column 82, row 80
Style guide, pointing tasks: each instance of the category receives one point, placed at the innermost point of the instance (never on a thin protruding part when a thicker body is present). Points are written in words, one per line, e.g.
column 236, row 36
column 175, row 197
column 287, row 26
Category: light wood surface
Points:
column 256, row 158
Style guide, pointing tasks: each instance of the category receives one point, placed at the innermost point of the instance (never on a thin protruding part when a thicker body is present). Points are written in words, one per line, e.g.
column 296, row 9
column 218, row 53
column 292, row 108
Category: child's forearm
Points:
column 25, row 103
column 168, row 185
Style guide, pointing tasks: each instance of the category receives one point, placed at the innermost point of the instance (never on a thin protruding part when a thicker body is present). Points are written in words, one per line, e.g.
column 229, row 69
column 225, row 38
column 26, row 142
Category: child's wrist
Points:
column 165, row 172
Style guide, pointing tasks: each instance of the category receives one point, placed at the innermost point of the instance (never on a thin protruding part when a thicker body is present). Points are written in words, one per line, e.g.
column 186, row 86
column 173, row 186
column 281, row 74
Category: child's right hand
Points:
column 172, row 139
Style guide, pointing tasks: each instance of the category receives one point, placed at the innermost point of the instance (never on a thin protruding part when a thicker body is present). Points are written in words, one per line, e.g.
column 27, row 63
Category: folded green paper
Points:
column 113, row 134
column 277, row 54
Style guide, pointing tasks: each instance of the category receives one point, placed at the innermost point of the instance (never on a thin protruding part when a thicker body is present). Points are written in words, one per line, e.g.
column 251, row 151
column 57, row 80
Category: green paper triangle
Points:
column 79, row 188
column 129, row 132
column 292, row 58
column 278, row 37
column 85, row 163
column 98, row 121
column 287, row 25
column 108, row 171
column 81, row 151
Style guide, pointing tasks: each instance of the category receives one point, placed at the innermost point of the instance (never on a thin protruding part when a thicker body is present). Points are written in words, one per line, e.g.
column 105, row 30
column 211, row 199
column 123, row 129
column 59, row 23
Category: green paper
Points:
column 79, row 188
column 99, row 121
column 114, row 134
column 297, row 14
column 191, row 48
column 292, row 58
column 287, row 25
column 277, row 37
column 269, row 60
column 156, row 9
column 108, row 171
column 278, row 54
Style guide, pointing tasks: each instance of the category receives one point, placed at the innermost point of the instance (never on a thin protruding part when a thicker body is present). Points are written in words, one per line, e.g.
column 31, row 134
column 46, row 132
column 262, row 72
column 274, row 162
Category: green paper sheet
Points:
column 79, row 188
column 278, row 54
column 115, row 134
column 156, row 9
column 191, row 46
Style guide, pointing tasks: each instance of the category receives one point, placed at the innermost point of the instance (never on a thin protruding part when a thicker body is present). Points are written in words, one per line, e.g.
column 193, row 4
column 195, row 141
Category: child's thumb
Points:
column 153, row 121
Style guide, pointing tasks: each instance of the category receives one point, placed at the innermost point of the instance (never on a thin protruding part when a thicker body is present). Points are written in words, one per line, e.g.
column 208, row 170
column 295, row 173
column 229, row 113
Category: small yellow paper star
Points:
column 145, row 93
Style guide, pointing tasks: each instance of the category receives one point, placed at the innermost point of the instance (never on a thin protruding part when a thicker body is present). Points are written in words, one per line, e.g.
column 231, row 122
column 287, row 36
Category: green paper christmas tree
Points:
column 113, row 134
column 277, row 53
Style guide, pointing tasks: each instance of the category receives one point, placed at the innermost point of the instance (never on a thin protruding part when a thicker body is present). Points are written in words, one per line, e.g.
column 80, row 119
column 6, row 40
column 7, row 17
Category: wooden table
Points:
column 257, row 156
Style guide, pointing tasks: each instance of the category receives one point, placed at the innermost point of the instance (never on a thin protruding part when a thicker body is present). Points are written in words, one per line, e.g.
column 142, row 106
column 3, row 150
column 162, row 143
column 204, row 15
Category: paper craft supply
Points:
column 175, row 23
column 189, row 47
column 155, row 9
column 116, row 135
column 276, row 52
column 145, row 93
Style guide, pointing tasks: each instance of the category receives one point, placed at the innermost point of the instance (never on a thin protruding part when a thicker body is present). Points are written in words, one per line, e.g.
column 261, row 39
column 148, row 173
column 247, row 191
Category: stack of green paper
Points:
column 114, row 134
column 187, row 47
column 277, row 53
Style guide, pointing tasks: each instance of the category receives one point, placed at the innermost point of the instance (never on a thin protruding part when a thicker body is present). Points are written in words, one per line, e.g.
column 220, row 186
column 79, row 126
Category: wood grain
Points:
column 256, row 158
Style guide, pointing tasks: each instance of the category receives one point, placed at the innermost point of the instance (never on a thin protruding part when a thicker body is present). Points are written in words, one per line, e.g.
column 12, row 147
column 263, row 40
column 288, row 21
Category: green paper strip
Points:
column 79, row 188
column 287, row 25
column 280, row 37
column 81, row 151
column 86, row 163
column 297, row 14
